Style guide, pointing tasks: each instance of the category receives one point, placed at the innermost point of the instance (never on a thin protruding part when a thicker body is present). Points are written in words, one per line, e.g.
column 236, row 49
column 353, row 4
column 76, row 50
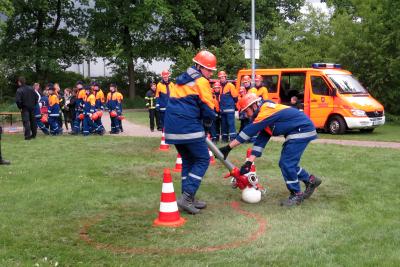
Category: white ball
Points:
column 251, row 195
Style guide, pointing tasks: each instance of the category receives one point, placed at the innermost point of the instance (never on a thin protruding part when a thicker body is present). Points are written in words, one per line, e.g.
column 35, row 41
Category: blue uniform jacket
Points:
column 190, row 105
column 275, row 120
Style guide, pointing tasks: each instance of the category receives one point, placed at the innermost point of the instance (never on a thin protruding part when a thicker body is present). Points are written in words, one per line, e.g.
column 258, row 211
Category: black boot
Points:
column 293, row 200
column 186, row 203
column 313, row 183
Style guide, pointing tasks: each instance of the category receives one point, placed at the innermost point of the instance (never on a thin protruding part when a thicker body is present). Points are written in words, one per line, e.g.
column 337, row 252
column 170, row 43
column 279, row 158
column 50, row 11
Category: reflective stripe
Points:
column 299, row 171
column 258, row 148
column 292, row 182
column 228, row 110
column 167, row 188
column 168, row 206
column 301, row 135
column 191, row 84
column 244, row 136
column 184, row 136
column 195, row 176
column 184, row 178
column 163, row 108
column 54, row 115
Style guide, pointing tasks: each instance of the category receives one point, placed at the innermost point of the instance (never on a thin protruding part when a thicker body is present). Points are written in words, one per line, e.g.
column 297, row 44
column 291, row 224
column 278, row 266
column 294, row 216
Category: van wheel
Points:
column 336, row 125
column 367, row 130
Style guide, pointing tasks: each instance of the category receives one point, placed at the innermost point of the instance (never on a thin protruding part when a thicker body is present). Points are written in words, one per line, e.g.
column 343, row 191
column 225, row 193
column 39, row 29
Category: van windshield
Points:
column 347, row 84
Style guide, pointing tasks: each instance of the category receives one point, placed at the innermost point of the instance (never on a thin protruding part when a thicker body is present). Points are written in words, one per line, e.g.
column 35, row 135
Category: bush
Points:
column 392, row 118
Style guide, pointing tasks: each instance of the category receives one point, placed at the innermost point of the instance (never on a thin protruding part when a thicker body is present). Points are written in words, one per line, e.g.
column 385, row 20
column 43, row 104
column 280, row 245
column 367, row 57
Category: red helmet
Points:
column 221, row 74
column 206, row 59
column 113, row 114
column 247, row 101
column 165, row 74
column 258, row 78
column 217, row 85
column 246, row 78
column 99, row 113
column 95, row 116
column 81, row 116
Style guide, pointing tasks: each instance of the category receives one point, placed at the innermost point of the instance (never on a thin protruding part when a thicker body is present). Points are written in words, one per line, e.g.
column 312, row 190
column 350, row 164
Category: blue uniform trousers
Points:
column 161, row 122
column 114, row 125
column 88, row 125
column 215, row 129
column 228, row 126
column 54, row 126
column 76, row 122
column 195, row 161
column 289, row 163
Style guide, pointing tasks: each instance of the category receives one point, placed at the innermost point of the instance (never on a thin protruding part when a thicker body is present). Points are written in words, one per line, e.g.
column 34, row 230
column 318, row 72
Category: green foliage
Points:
column 42, row 36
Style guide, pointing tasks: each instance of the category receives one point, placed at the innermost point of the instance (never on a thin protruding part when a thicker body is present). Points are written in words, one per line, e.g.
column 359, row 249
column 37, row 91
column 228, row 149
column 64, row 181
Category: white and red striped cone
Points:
column 163, row 145
column 178, row 163
column 212, row 158
column 169, row 214
column 253, row 166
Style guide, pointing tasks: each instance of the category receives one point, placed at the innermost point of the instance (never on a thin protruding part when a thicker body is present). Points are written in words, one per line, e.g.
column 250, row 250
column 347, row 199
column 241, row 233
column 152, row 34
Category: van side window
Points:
column 292, row 84
column 319, row 86
column 271, row 82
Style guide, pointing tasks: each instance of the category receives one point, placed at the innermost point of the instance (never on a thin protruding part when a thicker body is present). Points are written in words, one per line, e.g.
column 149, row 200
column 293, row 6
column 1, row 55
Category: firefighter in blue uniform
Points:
column 113, row 108
column 100, row 99
column 227, row 103
column 76, row 129
column 274, row 120
column 89, row 107
column 54, row 111
column 190, row 110
column 162, row 95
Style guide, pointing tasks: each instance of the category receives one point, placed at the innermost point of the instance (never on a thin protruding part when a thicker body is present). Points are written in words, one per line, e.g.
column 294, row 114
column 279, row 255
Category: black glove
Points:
column 246, row 167
column 225, row 150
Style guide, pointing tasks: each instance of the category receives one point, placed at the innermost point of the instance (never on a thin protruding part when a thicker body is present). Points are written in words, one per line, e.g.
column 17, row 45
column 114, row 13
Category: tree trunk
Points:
column 131, row 77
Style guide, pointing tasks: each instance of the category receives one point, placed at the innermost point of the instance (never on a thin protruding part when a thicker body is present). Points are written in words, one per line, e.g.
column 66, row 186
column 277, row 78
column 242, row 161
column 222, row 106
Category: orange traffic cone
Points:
column 178, row 163
column 163, row 145
column 253, row 166
column 169, row 213
column 212, row 159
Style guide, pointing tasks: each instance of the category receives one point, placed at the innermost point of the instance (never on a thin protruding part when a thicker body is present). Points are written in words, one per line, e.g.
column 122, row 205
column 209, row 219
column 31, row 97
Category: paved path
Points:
column 132, row 129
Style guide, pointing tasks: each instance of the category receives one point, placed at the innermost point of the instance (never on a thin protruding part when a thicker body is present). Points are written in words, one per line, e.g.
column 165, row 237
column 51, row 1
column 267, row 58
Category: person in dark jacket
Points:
column 26, row 100
column 151, row 106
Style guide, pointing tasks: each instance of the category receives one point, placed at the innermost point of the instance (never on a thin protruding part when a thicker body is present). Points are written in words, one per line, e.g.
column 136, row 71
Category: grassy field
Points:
column 56, row 185
column 389, row 132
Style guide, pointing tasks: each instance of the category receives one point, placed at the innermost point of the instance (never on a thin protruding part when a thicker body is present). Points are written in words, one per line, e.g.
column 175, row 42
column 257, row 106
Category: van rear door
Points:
column 321, row 98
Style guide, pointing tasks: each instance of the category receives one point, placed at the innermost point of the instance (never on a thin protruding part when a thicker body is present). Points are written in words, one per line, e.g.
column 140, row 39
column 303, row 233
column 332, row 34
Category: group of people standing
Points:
column 80, row 108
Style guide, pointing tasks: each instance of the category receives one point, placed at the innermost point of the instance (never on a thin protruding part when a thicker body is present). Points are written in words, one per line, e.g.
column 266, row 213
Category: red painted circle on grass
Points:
column 260, row 230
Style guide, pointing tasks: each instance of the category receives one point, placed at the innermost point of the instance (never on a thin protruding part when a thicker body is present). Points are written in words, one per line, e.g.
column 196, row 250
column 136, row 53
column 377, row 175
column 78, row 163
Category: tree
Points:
column 298, row 44
column 201, row 23
column 126, row 31
column 42, row 36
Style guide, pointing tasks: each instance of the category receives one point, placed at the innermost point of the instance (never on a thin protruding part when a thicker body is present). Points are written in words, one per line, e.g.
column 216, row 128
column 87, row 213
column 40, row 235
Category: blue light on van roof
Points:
column 326, row 66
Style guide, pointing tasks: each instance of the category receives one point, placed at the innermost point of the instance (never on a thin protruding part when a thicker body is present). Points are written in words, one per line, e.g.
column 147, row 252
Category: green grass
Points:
column 390, row 132
column 55, row 185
